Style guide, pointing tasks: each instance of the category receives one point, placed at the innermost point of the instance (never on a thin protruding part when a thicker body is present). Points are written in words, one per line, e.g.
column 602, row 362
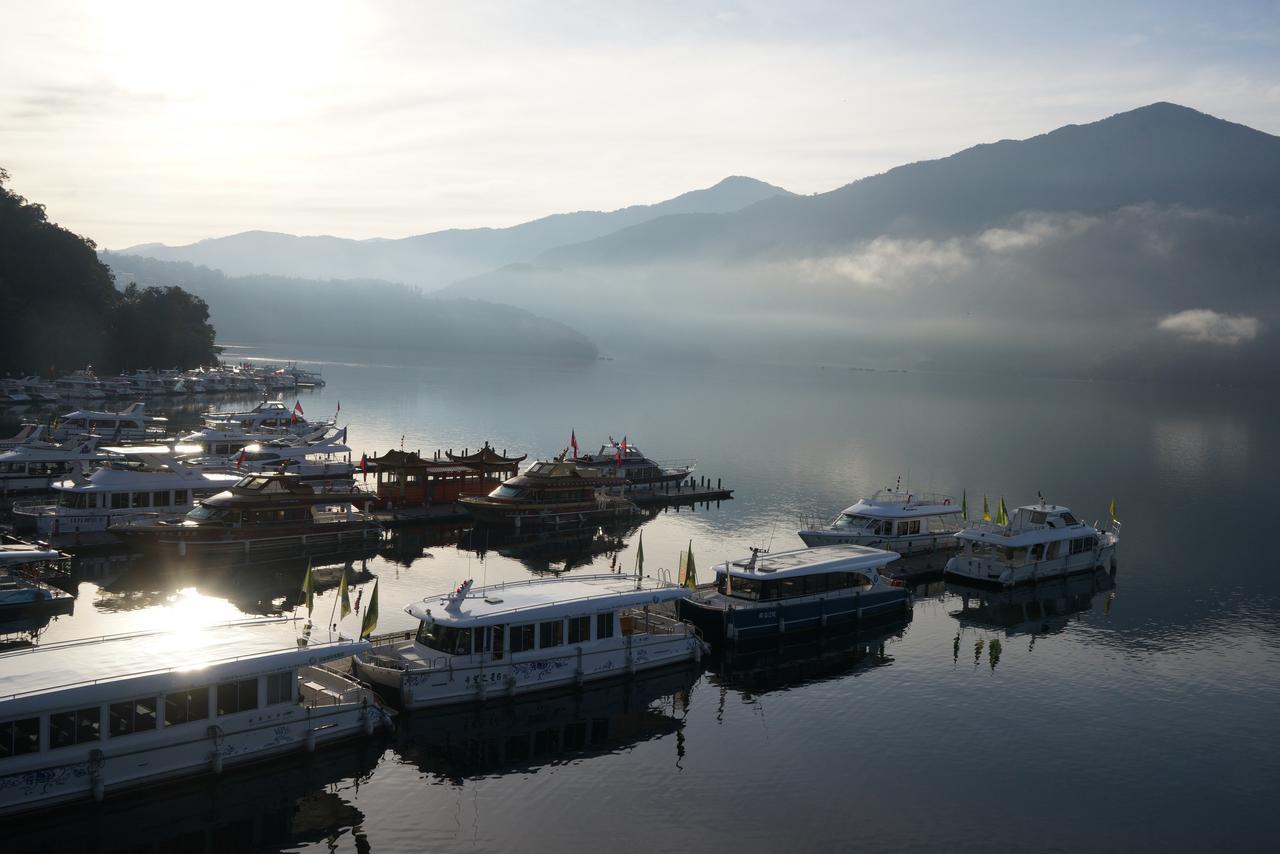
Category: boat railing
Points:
column 687, row 465
column 481, row 594
column 643, row 621
column 899, row 496
column 32, row 506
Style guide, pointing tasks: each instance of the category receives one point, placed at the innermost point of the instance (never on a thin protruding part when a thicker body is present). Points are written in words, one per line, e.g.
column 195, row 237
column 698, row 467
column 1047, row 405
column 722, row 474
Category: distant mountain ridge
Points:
column 436, row 259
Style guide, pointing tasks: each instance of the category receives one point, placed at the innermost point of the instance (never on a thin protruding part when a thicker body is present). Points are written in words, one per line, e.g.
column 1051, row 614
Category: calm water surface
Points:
column 1133, row 712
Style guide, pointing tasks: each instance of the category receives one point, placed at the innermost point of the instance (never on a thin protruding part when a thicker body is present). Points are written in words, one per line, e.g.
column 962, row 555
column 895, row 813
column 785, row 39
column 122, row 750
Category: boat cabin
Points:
column 132, row 423
column 802, row 572
column 1035, row 533
column 406, row 479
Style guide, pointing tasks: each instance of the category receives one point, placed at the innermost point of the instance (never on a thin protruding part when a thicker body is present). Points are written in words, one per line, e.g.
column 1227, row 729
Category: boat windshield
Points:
column 205, row 513
column 506, row 492
column 851, row 522
column 447, row 639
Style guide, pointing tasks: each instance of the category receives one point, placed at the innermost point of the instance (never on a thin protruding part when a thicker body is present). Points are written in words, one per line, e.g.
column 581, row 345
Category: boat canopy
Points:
column 543, row 599
column 888, row 504
column 815, row 561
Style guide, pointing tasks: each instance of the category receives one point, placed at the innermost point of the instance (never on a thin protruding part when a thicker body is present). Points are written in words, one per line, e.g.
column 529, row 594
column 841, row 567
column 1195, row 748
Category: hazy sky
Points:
column 173, row 121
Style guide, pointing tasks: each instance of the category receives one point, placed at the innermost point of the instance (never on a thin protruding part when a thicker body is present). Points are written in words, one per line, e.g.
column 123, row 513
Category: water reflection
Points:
column 25, row 629
column 1039, row 609
column 526, row 734
column 282, row 804
column 555, row 551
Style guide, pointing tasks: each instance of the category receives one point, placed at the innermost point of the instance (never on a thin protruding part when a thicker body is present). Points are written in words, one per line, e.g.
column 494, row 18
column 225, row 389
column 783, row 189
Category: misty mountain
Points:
column 269, row 310
column 440, row 257
column 1145, row 244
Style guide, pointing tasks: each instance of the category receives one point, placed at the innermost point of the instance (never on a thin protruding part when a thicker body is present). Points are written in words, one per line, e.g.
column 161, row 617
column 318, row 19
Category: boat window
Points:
column 1015, row 554
column 19, row 737
column 182, row 707
column 1038, row 517
column 846, row 521
column 160, row 499
column 1052, row 551
column 447, row 639
column 280, row 688
column 72, row 500
column 522, row 637
column 909, row 527
column 551, row 633
column 240, row 696
column 205, row 513
column 1069, row 519
column 142, row 499
column 743, row 588
column 78, row 727
column 604, row 625
column 579, row 629
column 179, row 497
column 1082, row 545
column 497, row 641
column 119, row 501
column 1037, row 552
column 132, row 716
column 505, row 492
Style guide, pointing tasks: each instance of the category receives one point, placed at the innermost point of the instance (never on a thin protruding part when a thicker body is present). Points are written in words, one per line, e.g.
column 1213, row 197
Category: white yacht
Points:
column 84, row 720
column 32, row 467
column 324, row 459
column 1040, row 541
column 140, row 481
column 39, row 390
column 24, row 568
column 80, row 385
column 903, row 522
column 133, row 424
column 270, row 416
column 29, row 434
column 14, row 393
column 511, row 639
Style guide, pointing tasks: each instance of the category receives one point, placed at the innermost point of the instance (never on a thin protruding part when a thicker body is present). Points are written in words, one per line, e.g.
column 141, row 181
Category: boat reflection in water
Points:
column 547, row 728
column 288, row 802
column 558, row 550
column 800, row 660
column 25, row 630
column 1043, row 608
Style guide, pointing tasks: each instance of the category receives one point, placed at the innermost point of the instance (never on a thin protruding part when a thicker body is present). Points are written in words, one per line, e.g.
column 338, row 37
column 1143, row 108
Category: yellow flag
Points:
column 370, row 621
column 1002, row 516
column 343, row 596
column 688, row 572
column 309, row 589
column 986, row 511
column 1112, row 510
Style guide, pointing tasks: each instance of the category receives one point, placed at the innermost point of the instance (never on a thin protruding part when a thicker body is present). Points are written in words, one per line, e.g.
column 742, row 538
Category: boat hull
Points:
column 992, row 573
column 909, row 545
column 748, row 621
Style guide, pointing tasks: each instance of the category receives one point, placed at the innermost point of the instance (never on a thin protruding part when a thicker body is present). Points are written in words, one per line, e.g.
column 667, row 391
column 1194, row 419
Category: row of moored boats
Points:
column 86, row 386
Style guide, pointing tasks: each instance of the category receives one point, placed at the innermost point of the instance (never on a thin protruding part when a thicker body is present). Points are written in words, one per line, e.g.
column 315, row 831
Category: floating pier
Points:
column 693, row 490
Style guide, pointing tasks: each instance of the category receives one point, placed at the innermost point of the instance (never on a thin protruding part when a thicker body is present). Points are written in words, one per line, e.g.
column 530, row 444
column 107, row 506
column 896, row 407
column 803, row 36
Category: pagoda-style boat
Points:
column 407, row 479
column 263, row 516
column 553, row 493
column 626, row 460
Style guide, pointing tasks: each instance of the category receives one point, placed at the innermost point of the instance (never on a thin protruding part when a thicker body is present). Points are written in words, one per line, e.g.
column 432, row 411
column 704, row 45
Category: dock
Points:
column 693, row 490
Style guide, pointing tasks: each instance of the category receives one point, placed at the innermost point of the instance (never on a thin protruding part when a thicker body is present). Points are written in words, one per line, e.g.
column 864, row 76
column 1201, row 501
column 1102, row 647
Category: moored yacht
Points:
column 261, row 516
column 80, row 385
column 270, row 416
column 24, row 572
column 324, row 460
column 551, row 493
column 795, row 591
column 626, row 460
column 83, row 720
column 1040, row 541
column 141, row 480
column 897, row 521
column 511, row 639
column 132, row 424
column 34, row 466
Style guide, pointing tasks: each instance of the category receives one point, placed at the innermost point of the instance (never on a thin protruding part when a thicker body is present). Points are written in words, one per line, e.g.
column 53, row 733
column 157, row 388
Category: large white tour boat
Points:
column 515, row 638
column 83, row 720
column 34, row 466
column 133, row 424
column 1040, row 541
column 897, row 521
column 270, row 416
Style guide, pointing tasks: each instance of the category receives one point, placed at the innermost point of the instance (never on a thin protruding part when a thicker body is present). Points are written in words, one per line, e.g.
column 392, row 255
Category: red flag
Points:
column 240, row 460
column 624, row 444
column 297, row 410
column 617, row 458
column 573, row 443
column 364, row 467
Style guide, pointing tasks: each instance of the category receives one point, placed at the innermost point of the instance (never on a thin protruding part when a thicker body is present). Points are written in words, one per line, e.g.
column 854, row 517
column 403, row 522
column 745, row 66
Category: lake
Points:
column 1106, row 713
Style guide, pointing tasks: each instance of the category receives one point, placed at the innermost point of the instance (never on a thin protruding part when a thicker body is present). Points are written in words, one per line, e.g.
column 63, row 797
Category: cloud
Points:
column 886, row 262
column 1035, row 229
column 1203, row 325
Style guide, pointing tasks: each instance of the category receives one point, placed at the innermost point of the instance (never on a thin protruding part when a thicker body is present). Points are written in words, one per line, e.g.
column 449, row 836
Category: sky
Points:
column 138, row 122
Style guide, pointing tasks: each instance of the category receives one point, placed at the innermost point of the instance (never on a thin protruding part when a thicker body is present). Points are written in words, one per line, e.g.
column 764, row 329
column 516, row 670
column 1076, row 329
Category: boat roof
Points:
column 133, row 413
column 12, row 554
column 816, row 561
column 892, row 504
column 545, row 599
column 1029, row 524
column 54, row 453
column 61, row 675
column 108, row 477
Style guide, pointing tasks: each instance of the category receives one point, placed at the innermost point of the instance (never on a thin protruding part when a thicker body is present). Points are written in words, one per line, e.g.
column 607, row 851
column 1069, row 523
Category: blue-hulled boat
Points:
column 795, row 591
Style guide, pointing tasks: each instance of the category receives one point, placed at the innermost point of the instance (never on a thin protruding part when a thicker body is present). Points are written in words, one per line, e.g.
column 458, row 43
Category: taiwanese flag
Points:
column 297, row 410
column 364, row 467
column 240, row 459
column 573, row 443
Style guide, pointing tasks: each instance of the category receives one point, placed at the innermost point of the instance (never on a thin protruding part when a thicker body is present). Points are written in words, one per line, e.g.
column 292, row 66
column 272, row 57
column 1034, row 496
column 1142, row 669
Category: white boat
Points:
column 85, row 720
column 897, row 521
column 23, row 588
column 29, row 434
column 767, row 595
column 324, row 459
column 142, row 481
column 39, row 390
column 1040, row 541
column 511, row 639
column 32, row 467
column 14, row 393
column 133, row 424
column 270, row 416
column 81, row 385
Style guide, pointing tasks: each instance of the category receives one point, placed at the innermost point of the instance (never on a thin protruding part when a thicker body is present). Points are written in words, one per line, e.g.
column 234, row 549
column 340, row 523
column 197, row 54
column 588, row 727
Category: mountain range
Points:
column 1143, row 244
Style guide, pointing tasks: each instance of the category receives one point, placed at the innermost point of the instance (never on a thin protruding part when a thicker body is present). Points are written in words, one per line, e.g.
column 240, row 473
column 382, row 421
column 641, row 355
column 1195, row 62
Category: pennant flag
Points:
column 370, row 621
column 640, row 556
column 309, row 589
column 964, row 504
column 344, row 597
column 986, row 512
column 1002, row 516
column 573, row 443
column 1112, row 511
column 688, row 572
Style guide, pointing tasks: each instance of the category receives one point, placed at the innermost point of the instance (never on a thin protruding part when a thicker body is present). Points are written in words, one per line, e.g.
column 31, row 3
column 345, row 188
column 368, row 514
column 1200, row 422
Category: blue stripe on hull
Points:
column 781, row 617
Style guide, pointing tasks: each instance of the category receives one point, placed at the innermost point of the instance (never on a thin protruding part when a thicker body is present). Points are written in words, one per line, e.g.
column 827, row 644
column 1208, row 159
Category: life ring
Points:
column 946, row 501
